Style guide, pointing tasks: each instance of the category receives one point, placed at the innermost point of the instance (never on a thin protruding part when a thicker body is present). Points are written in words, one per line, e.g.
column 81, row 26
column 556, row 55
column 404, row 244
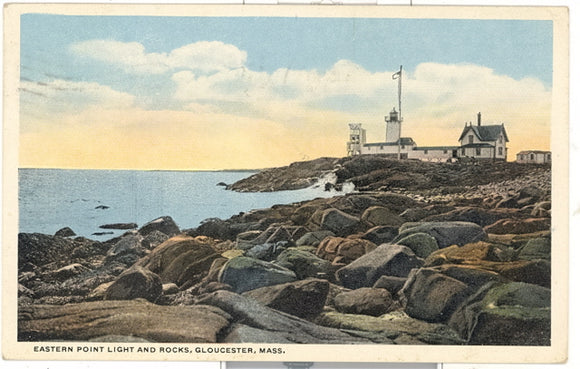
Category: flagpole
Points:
column 400, row 112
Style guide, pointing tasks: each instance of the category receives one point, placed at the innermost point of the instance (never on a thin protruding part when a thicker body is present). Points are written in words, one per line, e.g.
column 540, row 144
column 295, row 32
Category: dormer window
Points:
column 500, row 139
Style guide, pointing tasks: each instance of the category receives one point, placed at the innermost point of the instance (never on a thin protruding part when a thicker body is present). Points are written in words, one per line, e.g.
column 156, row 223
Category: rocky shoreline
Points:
column 422, row 253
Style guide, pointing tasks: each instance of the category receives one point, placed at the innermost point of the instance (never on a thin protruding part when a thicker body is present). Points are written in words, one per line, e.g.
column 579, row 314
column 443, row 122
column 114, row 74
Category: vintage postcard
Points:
column 285, row 183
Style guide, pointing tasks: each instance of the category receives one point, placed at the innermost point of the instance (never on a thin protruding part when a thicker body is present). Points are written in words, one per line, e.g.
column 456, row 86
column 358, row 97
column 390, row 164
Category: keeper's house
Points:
column 483, row 142
column 534, row 157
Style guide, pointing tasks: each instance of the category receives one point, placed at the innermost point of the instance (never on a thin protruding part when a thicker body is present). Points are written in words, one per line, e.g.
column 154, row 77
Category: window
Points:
column 500, row 151
column 532, row 156
column 426, row 152
column 470, row 139
column 500, row 139
column 403, row 147
column 382, row 148
column 463, row 151
column 549, row 156
column 477, row 151
column 444, row 151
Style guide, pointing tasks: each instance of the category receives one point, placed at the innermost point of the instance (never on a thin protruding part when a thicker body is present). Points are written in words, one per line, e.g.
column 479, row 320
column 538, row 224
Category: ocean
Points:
column 51, row 199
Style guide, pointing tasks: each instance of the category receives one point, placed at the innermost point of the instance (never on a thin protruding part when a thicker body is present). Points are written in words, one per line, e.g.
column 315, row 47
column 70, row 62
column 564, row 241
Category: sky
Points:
column 203, row 93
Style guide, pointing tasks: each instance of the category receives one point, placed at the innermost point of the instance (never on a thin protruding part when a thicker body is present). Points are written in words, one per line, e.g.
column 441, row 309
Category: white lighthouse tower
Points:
column 393, row 127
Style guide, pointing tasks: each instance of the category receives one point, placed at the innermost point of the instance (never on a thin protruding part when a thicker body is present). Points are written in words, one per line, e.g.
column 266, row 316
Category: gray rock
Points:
column 304, row 263
column 381, row 216
column 303, row 299
column 381, row 234
column 313, row 238
column 154, row 239
column 128, row 245
column 272, row 325
column 365, row 301
column 393, row 260
column 135, row 318
column 65, row 232
column 506, row 314
column 136, row 282
column 267, row 251
column 390, row 283
column 432, row 296
column 245, row 274
column 163, row 224
column 395, row 325
column 422, row 244
column 338, row 222
column 537, row 248
column 446, row 233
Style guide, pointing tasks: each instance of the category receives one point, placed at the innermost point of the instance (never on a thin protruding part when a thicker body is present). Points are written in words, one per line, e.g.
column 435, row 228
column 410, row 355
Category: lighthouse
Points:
column 393, row 127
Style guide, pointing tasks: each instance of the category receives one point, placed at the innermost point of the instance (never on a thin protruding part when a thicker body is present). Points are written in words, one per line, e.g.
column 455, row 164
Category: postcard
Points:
column 285, row 183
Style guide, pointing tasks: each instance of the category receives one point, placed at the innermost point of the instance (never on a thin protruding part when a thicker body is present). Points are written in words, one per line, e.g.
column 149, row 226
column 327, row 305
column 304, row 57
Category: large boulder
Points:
column 137, row 318
column 518, row 226
column 446, row 233
column 422, row 244
column 338, row 222
column 313, row 238
column 472, row 253
column 164, row 224
column 483, row 217
column 536, row 248
column 393, row 328
column 390, row 283
column 136, row 282
column 256, row 321
column 181, row 260
column 267, row 251
column 340, row 250
column 365, row 301
column 127, row 250
column 303, row 299
column 381, row 234
column 393, row 260
column 506, row 314
column 304, row 263
column 245, row 274
column 432, row 296
column 381, row 216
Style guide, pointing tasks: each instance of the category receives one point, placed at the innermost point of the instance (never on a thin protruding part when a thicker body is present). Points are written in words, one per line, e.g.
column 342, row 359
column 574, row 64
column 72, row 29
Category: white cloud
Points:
column 205, row 56
column 63, row 97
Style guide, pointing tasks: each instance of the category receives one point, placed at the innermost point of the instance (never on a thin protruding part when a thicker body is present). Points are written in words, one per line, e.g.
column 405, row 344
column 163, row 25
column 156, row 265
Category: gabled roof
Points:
column 482, row 144
column 486, row 133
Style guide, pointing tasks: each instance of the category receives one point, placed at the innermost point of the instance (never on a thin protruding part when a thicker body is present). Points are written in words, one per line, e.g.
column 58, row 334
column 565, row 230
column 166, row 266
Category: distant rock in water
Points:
column 102, row 207
column 119, row 226
column 222, row 184
column 101, row 233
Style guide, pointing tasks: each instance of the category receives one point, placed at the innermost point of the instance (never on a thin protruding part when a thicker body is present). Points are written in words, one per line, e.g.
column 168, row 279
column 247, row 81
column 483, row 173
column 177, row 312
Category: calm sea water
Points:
column 50, row 199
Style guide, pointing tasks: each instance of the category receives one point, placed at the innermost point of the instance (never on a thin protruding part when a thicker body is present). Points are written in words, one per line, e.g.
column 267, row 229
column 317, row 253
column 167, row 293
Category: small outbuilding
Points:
column 534, row 157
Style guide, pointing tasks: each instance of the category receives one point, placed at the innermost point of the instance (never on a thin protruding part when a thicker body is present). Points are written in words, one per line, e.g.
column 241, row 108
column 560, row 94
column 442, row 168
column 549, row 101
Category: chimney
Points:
column 479, row 119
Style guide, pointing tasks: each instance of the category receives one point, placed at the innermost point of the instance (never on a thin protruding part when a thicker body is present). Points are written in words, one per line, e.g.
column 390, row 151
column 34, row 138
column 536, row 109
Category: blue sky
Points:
column 282, row 73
